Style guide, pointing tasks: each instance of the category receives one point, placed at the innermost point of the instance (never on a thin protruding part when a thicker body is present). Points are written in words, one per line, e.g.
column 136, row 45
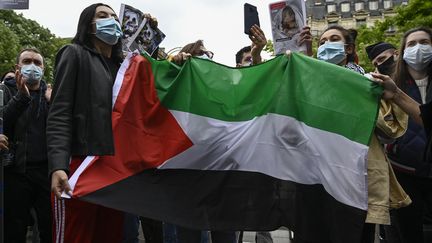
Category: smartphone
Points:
column 250, row 17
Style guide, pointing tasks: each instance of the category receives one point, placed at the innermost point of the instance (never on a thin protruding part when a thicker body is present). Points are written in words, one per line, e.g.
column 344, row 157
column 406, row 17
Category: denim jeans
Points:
column 169, row 233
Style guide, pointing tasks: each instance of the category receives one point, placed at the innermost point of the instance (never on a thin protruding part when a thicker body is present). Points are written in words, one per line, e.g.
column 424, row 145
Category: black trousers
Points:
column 410, row 219
column 368, row 233
column 23, row 191
column 186, row 235
column 152, row 230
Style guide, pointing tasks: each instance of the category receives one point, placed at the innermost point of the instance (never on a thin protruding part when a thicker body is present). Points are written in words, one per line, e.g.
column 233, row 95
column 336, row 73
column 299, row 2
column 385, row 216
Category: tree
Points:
column 269, row 47
column 17, row 32
column 415, row 14
column 9, row 47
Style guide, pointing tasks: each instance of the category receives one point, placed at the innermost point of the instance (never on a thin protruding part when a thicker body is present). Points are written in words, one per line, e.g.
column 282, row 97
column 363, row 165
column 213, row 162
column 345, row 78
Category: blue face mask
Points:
column 108, row 30
column 32, row 73
column 333, row 52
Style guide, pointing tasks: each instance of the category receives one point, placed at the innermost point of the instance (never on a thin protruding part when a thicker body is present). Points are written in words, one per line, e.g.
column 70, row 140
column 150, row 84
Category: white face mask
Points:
column 418, row 57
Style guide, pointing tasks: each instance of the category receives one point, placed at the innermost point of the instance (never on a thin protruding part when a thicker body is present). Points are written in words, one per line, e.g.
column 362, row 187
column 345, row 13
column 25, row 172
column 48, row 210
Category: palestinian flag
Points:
column 206, row 146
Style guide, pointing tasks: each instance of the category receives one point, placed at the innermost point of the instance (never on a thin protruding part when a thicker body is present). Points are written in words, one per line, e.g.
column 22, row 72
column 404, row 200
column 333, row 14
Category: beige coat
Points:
column 384, row 191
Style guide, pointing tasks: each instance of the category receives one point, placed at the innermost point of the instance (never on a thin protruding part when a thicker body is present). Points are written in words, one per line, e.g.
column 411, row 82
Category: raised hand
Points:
column 390, row 87
column 21, row 83
column 306, row 38
column 181, row 58
column 258, row 43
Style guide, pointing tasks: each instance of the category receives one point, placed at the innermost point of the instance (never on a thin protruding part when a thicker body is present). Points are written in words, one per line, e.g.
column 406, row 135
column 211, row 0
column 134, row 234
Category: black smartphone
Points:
column 250, row 17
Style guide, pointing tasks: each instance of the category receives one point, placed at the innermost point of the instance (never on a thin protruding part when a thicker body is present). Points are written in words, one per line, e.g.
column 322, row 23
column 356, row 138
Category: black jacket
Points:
column 408, row 149
column 16, row 120
column 426, row 113
column 79, row 121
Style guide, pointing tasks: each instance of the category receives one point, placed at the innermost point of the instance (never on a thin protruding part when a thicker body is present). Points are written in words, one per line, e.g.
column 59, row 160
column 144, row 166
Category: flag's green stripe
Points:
column 321, row 95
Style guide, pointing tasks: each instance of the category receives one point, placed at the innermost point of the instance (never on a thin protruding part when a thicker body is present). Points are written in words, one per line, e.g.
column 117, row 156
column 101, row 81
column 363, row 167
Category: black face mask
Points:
column 387, row 67
column 8, row 79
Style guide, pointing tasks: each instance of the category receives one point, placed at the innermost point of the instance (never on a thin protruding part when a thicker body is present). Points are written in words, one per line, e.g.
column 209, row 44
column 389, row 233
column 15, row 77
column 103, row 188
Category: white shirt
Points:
column 422, row 84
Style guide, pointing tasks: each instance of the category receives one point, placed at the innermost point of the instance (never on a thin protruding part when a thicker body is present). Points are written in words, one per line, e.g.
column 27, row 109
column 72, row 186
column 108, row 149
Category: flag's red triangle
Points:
column 145, row 133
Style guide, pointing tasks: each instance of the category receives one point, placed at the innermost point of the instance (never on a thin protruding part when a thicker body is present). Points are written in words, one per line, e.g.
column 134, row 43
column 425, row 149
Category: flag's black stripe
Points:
column 234, row 200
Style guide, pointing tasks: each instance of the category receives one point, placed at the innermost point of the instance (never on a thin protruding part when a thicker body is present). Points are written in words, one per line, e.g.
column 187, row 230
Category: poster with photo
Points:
column 131, row 19
column 147, row 38
column 287, row 20
column 137, row 32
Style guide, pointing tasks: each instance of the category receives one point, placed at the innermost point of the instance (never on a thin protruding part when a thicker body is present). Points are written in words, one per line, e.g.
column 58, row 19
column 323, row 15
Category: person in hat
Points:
column 383, row 56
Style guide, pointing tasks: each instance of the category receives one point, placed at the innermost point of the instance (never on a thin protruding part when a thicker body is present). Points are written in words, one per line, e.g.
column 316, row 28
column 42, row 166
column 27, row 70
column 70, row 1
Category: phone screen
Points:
column 250, row 17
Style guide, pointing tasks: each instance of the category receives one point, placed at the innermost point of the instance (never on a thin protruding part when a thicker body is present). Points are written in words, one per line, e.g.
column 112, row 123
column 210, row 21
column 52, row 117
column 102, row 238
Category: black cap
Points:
column 378, row 48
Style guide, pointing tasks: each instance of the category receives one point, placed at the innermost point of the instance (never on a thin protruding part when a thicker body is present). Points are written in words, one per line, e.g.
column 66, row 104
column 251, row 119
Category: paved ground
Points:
column 279, row 236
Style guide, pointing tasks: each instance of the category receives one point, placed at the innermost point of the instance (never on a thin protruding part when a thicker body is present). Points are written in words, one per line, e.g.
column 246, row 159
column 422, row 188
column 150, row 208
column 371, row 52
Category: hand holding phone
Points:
column 250, row 17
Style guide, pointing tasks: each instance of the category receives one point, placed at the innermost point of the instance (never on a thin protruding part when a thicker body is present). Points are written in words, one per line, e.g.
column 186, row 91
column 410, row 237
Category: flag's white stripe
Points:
column 116, row 90
column 278, row 146
column 74, row 178
column 119, row 78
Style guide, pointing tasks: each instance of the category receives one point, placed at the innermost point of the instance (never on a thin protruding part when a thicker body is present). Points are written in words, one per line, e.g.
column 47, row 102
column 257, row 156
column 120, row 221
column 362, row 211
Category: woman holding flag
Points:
column 79, row 123
column 337, row 46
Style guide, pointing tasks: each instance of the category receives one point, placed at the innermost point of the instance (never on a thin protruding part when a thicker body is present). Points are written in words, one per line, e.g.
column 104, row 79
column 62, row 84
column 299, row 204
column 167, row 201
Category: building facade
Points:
column 349, row 14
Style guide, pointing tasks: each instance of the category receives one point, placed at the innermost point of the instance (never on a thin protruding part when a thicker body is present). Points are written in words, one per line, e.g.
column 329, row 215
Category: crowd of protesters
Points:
column 48, row 134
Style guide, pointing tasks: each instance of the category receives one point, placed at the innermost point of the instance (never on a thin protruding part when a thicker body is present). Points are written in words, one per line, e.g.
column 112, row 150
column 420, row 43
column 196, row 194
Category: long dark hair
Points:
column 401, row 75
column 349, row 36
column 84, row 34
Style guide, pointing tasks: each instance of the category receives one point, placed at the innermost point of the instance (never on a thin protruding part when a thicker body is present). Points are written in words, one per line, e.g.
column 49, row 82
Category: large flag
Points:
column 206, row 146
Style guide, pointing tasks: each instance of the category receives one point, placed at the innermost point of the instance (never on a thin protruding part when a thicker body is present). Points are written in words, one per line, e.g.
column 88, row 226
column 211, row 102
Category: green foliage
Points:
column 8, row 48
column 17, row 32
column 417, row 13
column 269, row 47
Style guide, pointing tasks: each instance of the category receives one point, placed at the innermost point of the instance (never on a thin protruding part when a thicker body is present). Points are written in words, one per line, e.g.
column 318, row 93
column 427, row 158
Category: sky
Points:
column 218, row 22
